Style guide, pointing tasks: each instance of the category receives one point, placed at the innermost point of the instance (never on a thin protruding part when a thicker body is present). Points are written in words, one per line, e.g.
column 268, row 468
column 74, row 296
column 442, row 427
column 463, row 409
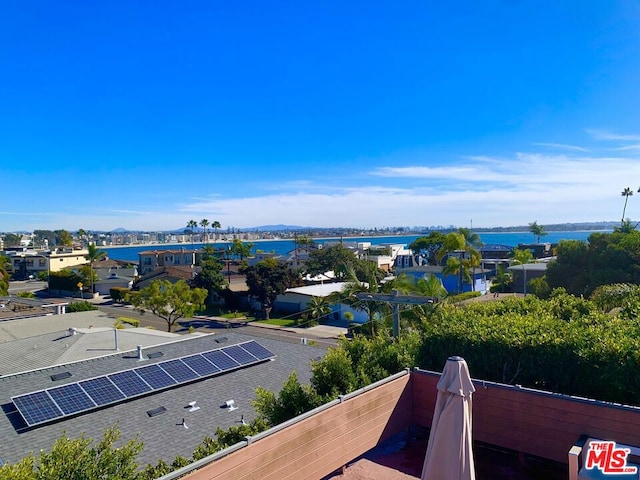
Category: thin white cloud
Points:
column 611, row 136
column 493, row 191
column 561, row 146
column 626, row 148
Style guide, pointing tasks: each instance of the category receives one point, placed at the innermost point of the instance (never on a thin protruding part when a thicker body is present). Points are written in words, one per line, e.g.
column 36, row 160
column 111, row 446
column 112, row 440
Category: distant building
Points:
column 29, row 262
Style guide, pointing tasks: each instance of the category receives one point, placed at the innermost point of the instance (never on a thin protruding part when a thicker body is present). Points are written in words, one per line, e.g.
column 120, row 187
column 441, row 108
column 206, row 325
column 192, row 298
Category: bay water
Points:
column 511, row 239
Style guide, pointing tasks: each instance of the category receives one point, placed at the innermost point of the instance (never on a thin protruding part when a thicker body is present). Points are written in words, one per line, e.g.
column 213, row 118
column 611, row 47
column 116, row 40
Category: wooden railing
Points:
column 317, row 443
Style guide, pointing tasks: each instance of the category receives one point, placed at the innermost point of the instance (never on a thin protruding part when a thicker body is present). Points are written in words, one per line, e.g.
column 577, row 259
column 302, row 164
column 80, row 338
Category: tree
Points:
column 215, row 225
column 293, row 400
column 40, row 236
column 537, row 231
column 340, row 260
column 204, row 223
column 210, row 276
column 191, row 226
column 169, row 301
column 428, row 246
column 355, row 287
column 94, row 254
column 63, row 238
column 318, row 308
column 240, row 249
column 461, row 258
column 5, row 265
column 470, row 237
column 428, row 286
column 268, row 279
column 521, row 256
column 12, row 239
column 626, row 193
column 80, row 458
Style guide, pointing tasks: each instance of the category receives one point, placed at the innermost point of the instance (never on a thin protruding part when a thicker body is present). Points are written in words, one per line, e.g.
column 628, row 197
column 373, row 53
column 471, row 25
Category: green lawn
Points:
column 281, row 322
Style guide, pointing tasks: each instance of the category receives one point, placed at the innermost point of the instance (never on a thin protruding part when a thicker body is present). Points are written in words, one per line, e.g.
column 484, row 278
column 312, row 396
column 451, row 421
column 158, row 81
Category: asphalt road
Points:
column 210, row 325
column 207, row 325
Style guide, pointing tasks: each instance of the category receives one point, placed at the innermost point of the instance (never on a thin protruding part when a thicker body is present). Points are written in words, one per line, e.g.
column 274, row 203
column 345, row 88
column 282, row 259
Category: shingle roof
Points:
column 163, row 435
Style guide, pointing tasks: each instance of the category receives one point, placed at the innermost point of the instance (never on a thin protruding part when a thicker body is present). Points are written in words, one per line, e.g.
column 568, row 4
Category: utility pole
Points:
column 395, row 299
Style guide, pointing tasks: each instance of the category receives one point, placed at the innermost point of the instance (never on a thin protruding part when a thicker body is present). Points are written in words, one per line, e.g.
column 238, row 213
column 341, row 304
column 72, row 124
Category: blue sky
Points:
column 146, row 114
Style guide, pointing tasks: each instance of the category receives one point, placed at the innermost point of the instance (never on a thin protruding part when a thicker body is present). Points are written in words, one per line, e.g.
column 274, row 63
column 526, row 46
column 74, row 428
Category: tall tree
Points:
column 240, row 249
column 428, row 246
column 318, row 308
column 626, row 193
column 215, row 225
column 461, row 258
column 354, row 287
column 63, row 238
column 191, row 226
column 268, row 279
column 12, row 240
column 94, row 254
column 204, row 223
column 210, row 276
column 537, row 231
column 169, row 301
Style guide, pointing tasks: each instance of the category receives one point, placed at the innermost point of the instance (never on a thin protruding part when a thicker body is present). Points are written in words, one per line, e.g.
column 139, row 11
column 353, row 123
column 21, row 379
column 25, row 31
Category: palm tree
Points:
column 94, row 254
column 215, row 225
column 349, row 295
column 204, row 223
column 191, row 225
column 460, row 258
column 626, row 193
column 537, row 231
column 318, row 308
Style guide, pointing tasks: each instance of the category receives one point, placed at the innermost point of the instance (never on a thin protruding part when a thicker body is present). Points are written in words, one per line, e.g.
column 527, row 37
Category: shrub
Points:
column 82, row 306
column 134, row 322
column 118, row 294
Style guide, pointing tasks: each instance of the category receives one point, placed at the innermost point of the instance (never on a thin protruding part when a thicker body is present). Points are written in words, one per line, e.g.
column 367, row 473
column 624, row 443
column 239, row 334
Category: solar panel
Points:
column 58, row 402
column 102, row 390
column 37, row 407
column 240, row 355
column 129, row 383
column 257, row 350
column 221, row 359
column 178, row 370
column 156, row 377
column 201, row 365
column 71, row 398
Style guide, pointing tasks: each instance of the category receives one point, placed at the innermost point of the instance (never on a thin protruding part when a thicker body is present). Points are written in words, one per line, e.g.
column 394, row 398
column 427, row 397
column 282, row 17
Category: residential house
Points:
column 524, row 273
column 450, row 282
column 150, row 260
column 171, row 273
column 28, row 262
column 296, row 300
column 109, row 278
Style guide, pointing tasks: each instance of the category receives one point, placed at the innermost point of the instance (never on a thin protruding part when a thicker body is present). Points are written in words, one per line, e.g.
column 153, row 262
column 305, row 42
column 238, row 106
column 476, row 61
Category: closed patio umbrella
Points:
column 449, row 453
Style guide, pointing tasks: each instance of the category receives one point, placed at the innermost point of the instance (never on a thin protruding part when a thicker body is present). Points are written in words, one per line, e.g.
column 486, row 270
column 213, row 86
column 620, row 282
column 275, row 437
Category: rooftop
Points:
column 211, row 394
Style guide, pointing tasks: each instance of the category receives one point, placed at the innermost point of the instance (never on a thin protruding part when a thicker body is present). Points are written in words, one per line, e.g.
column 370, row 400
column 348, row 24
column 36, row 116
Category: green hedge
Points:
column 564, row 345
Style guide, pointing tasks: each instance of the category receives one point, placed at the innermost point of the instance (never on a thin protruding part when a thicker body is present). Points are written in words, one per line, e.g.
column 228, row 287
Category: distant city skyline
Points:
column 484, row 114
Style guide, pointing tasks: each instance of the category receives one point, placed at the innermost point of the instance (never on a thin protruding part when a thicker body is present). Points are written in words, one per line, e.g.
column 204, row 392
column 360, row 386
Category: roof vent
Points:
column 155, row 355
column 222, row 340
column 192, row 406
column 231, row 405
column 140, row 356
column 156, row 411
column 60, row 376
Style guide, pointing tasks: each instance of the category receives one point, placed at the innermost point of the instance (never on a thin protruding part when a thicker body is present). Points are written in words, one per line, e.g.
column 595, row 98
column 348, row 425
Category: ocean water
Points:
column 282, row 247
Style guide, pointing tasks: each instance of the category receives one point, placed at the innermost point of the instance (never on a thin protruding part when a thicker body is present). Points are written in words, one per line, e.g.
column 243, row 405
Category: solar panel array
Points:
column 59, row 402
